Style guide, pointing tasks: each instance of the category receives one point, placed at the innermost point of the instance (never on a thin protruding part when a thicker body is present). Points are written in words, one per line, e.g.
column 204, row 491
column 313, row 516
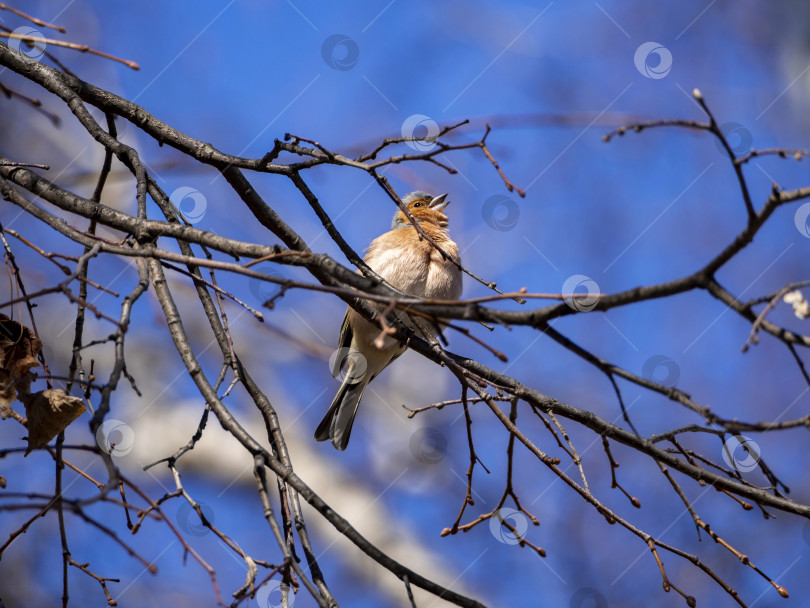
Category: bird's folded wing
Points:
column 344, row 341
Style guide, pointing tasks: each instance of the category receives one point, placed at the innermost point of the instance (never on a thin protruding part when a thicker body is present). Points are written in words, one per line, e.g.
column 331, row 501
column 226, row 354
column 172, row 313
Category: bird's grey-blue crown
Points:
column 400, row 222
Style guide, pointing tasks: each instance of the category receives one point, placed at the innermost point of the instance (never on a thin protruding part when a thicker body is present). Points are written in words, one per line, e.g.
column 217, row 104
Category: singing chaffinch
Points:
column 411, row 265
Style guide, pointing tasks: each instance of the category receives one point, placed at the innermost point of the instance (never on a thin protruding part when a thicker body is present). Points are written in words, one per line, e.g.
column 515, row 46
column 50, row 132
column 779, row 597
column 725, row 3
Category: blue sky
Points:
column 551, row 79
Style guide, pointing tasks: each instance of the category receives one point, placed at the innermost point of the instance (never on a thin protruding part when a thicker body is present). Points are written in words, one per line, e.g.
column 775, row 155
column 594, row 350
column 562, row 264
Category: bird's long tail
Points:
column 337, row 424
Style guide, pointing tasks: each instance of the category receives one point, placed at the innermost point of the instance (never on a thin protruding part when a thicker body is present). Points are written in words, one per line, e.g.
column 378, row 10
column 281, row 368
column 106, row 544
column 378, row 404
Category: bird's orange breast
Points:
column 414, row 266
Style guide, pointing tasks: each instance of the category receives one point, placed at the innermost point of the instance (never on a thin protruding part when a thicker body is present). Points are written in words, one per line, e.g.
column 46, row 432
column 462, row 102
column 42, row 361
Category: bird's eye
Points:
column 415, row 205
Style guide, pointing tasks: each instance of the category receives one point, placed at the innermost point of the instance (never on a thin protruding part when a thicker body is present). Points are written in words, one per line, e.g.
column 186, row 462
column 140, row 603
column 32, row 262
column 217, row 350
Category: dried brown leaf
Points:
column 19, row 348
column 50, row 412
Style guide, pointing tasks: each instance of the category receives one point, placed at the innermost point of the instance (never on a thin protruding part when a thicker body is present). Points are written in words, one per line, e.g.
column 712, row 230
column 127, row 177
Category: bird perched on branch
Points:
column 412, row 265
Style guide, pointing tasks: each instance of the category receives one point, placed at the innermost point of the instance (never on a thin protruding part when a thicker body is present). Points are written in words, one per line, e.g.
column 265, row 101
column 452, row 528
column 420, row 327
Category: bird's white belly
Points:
column 406, row 270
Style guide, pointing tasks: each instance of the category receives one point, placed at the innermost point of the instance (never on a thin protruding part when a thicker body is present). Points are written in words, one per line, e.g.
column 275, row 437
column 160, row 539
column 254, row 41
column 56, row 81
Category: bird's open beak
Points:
column 439, row 202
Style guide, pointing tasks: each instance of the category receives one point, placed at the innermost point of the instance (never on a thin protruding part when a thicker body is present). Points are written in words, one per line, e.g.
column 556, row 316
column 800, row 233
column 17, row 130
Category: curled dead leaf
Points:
column 50, row 412
column 19, row 348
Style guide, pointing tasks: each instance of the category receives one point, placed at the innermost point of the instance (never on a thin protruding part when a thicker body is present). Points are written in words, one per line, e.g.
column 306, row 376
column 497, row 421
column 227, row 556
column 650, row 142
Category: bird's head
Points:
column 424, row 207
